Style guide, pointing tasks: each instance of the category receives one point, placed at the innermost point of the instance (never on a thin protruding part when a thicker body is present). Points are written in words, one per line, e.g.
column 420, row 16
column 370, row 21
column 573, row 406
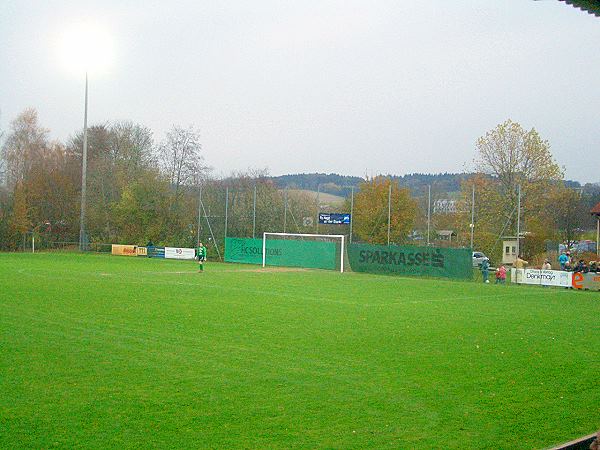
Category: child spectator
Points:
column 501, row 274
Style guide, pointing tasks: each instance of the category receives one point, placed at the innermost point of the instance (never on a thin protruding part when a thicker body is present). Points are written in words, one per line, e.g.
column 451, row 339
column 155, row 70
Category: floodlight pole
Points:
column 472, row 216
column 82, row 245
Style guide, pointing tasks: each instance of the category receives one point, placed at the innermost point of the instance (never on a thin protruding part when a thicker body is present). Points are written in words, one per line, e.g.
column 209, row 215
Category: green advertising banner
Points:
column 283, row 252
column 409, row 260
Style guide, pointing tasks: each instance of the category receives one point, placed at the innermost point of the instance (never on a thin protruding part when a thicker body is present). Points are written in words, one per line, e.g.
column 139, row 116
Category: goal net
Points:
column 317, row 251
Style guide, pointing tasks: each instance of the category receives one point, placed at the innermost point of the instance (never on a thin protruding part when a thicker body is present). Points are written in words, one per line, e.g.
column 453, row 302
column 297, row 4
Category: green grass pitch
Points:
column 101, row 351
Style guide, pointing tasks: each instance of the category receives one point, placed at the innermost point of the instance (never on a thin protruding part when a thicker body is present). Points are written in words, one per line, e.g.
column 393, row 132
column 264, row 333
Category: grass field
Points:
column 99, row 351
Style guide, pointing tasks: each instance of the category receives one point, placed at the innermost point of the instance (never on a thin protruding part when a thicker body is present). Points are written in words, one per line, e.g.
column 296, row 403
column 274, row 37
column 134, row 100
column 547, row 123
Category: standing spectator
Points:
column 485, row 270
column 150, row 249
column 546, row 265
column 562, row 260
column 580, row 267
column 520, row 263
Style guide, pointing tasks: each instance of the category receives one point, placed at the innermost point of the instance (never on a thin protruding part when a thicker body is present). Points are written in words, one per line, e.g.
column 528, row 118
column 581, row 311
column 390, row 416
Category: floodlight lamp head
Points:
column 86, row 47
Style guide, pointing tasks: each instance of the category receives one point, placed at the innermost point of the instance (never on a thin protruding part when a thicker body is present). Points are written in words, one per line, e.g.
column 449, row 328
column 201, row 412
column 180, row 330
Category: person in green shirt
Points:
column 201, row 256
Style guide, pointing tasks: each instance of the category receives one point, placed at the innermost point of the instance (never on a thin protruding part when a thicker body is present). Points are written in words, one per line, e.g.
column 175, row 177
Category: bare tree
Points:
column 131, row 147
column 24, row 147
column 180, row 159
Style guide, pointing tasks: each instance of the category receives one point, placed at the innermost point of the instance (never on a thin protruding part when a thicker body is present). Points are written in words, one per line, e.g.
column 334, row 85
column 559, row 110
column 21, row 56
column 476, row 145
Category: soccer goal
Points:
column 318, row 251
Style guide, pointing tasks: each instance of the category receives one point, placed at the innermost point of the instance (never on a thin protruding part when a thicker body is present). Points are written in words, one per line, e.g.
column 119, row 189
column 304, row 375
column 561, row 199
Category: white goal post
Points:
column 336, row 236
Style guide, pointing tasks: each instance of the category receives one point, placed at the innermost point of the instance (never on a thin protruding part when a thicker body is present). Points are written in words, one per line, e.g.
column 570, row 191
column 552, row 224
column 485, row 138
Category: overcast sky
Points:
column 352, row 87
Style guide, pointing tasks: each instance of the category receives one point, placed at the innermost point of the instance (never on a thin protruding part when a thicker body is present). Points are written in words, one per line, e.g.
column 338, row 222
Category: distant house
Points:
column 596, row 212
column 445, row 236
column 445, row 206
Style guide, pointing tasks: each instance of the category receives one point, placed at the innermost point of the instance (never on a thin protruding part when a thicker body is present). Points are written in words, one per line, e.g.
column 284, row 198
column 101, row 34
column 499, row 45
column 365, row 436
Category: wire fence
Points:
column 217, row 211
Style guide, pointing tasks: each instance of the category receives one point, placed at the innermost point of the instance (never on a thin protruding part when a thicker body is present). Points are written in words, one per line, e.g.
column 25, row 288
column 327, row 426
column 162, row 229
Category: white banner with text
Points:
column 179, row 253
column 542, row 277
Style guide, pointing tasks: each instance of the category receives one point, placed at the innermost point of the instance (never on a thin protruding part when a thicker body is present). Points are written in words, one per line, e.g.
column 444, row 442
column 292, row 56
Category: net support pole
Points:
column 254, row 214
column 264, row 249
column 389, row 213
column 598, row 236
column 519, row 221
column 318, row 204
column 32, row 243
column 210, row 229
column 428, row 212
column 351, row 212
column 472, row 225
column 199, row 212
column 226, row 208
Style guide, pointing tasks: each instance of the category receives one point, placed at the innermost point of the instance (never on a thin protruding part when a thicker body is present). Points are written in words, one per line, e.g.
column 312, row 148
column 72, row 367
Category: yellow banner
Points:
column 142, row 251
column 124, row 250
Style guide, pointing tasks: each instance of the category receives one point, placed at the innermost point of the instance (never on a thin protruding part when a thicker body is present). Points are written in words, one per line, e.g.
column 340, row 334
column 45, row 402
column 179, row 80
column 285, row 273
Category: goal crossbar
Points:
column 264, row 246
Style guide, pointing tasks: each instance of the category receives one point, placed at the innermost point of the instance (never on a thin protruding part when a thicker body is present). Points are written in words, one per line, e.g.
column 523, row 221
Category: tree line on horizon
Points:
column 139, row 190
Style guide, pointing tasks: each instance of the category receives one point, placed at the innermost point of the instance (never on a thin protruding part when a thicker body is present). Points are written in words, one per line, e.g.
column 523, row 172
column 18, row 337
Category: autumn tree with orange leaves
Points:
column 371, row 211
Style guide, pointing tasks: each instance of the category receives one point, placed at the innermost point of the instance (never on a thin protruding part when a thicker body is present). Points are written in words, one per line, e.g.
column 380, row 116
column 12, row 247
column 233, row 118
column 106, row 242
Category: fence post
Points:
column 285, row 207
column 226, row 207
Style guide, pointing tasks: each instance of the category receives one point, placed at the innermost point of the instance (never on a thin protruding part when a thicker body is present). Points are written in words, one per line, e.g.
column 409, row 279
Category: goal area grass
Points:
column 102, row 351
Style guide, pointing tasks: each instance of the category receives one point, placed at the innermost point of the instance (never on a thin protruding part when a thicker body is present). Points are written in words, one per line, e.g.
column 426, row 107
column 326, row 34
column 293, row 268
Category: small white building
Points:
column 509, row 250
